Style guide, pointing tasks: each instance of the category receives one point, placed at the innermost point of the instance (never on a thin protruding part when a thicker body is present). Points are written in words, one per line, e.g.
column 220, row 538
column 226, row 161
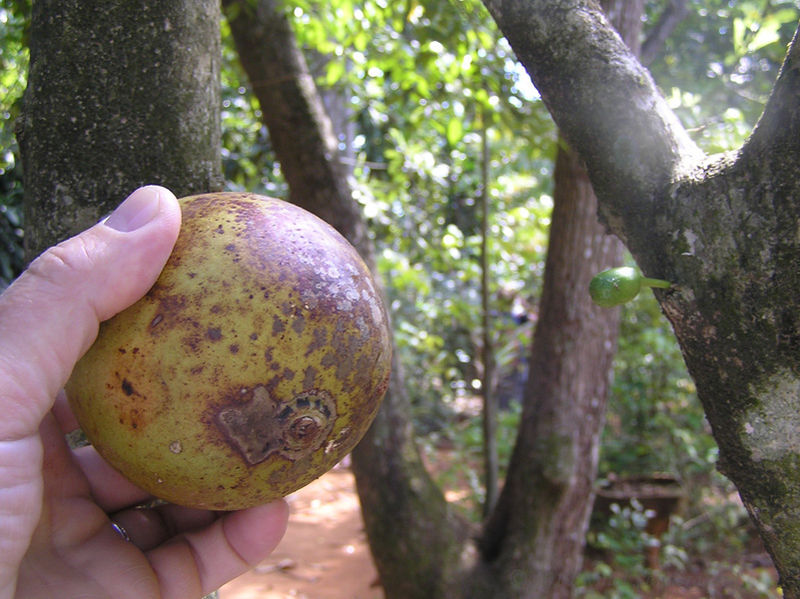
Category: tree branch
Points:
column 666, row 24
column 604, row 102
column 778, row 130
column 723, row 230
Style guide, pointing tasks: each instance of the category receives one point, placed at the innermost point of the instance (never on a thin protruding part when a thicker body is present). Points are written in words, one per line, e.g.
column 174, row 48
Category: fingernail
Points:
column 137, row 210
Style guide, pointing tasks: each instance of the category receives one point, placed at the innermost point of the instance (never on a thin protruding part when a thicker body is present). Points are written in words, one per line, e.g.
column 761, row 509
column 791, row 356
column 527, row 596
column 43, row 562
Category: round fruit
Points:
column 255, row 363
column 619, row 285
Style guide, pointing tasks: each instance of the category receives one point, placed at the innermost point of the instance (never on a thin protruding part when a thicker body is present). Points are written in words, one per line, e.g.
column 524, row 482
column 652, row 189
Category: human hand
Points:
column 56, row 533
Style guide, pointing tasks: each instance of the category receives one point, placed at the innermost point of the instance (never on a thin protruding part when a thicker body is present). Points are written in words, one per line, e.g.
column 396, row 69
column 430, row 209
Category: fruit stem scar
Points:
column 293, row 429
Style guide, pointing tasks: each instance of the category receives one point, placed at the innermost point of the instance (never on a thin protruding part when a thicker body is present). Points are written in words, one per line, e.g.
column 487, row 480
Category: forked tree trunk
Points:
column 722, row 229
column 120, row 94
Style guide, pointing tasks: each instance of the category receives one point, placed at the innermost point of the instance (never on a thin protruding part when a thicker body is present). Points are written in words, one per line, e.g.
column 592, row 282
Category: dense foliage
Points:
column 13, row 67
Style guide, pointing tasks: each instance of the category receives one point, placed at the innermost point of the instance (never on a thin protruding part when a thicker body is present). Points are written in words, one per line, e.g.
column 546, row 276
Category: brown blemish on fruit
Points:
column 251, row 427
column 335, row 443
column 127, row 387
column 277, row 326
column 214, row 333
column 306, row 422
column 293, row 429
column 309, row 377
column 170, row 308
column 318, row 338
column 303, row 431
column 299, row 324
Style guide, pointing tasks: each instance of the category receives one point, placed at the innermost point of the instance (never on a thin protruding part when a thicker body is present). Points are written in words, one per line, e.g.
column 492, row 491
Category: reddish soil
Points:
column 324, row 555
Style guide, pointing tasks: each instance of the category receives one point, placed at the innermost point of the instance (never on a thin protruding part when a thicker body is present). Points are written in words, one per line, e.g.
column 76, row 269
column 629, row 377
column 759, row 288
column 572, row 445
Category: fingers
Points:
column 199, row 562
column 50, row 315
column 108, row 488
column 63, row 413
column 150, row 527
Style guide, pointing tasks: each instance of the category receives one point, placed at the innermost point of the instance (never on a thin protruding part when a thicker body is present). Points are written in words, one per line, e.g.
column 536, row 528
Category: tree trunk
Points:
column 722, row 229
column 415, row 538
column 491, row 461
column 119, row 94
column 535, row 538
column 419, row 546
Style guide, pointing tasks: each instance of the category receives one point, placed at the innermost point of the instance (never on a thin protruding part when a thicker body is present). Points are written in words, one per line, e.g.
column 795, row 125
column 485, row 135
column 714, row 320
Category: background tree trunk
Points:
column 534, row 540
column 722, row 229
column 415, row 538
column 419, row 546
column 119, row 94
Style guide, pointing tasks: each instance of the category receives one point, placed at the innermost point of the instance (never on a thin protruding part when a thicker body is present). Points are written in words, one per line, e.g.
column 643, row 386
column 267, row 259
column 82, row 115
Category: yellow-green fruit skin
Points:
column 255, row 363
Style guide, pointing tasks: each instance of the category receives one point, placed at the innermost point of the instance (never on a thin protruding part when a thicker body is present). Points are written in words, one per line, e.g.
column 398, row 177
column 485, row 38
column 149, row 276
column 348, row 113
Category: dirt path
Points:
column 324, row 554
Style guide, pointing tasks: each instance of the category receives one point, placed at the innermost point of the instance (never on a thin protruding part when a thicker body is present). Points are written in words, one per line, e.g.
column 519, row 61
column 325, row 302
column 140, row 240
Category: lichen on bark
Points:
column 119, row 95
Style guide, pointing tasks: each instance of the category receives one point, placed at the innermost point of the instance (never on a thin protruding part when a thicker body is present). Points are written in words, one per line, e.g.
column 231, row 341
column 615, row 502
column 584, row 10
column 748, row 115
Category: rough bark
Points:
column 723, row 229
column 119, row 94
column 535, row 539
column 604, row 103
column 420, row 548
column 409, row 524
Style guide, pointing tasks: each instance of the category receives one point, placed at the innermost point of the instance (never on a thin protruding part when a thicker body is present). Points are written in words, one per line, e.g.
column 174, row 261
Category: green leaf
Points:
column 455, row 131
column 335, row 73
column 766, row 35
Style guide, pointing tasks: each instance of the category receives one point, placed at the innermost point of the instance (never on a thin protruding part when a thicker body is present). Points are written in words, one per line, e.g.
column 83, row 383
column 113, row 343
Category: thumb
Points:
column 50, row 315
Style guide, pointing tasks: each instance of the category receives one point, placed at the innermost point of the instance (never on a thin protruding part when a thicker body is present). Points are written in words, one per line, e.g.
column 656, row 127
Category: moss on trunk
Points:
column 119, row 94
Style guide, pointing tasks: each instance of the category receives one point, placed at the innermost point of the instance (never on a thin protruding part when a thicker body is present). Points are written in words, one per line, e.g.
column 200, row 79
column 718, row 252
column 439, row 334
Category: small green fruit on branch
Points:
column 619, row 285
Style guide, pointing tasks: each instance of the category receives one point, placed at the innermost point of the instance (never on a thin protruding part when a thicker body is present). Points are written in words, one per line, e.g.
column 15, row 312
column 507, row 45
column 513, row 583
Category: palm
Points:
column 75, row 551
column 74, row 547
column 56, row 538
